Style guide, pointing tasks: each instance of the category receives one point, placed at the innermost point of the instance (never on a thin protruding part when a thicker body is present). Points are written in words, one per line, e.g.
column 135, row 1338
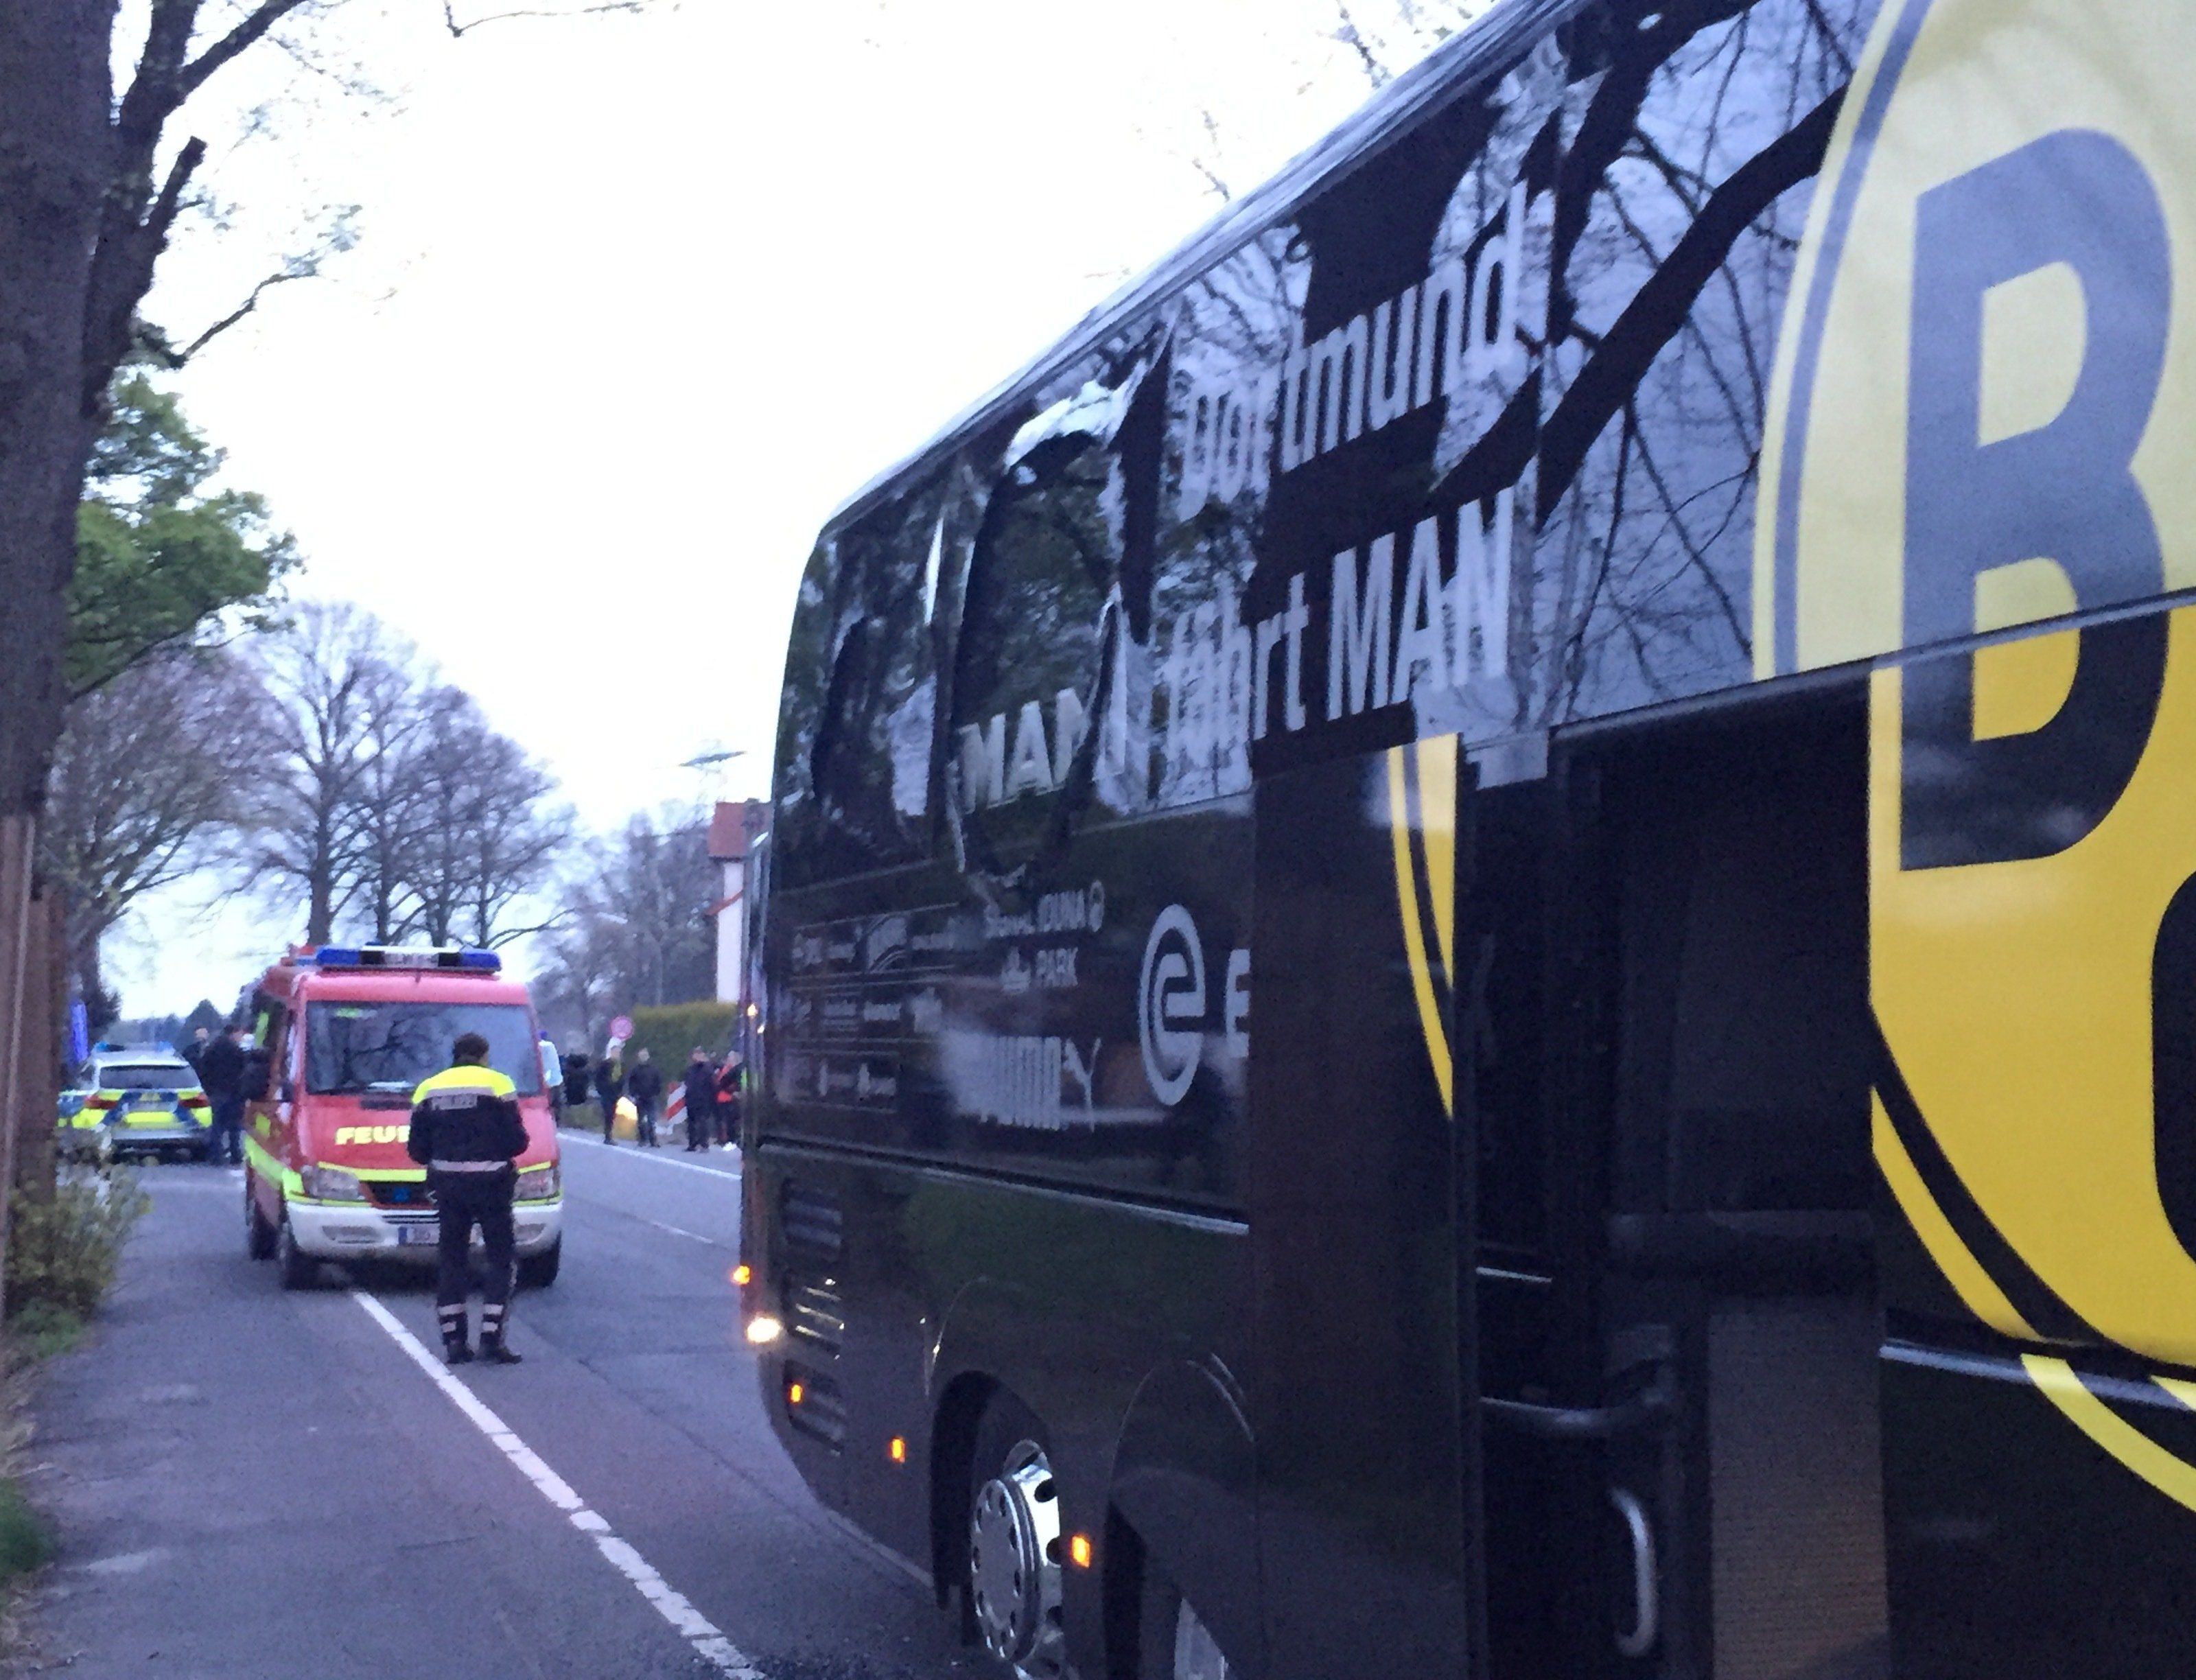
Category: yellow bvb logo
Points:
column 1986, row 407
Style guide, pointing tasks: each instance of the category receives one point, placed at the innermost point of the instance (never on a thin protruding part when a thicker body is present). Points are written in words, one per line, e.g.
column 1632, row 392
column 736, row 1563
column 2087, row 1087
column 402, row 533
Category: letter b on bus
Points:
column 2062, row 494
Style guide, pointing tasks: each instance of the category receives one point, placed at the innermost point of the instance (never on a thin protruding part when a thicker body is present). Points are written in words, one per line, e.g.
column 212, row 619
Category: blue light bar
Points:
column 402, row 957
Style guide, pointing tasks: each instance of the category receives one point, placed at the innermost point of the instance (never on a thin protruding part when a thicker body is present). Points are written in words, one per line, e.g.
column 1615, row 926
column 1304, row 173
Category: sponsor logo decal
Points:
column 1984, row 400
column 1171, row 1004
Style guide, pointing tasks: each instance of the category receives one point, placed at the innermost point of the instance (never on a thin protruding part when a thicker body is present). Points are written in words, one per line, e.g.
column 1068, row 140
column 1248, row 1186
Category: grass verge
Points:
column 25, row 1543
column 64, row 1250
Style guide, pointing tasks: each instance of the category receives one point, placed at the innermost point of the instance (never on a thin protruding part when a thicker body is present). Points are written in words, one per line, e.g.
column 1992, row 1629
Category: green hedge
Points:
column 670, row 1032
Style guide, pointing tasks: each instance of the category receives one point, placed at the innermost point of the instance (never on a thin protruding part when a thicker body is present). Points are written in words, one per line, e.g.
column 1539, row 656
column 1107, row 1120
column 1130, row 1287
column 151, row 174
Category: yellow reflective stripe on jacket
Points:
column 467, row 1078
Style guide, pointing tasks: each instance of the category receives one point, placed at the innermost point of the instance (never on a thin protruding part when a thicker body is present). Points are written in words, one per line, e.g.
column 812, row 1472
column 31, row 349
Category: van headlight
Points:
column 540, row 1184
column 332, row 1184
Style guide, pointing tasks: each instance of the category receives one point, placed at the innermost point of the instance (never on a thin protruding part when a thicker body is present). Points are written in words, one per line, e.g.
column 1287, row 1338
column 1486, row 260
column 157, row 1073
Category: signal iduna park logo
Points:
column 1985, row 419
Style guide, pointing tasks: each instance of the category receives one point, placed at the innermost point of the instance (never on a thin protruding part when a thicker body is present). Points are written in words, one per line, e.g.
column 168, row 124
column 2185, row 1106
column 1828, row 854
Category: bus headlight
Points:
column 763, row 1330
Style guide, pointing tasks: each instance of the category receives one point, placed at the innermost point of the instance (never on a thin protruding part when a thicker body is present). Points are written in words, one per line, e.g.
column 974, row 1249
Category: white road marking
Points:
column 659, row 1157
column 690, row 1236
column 707, row 1640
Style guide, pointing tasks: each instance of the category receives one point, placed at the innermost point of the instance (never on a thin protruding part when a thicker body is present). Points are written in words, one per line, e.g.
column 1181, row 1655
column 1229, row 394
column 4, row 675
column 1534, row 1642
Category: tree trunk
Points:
column 321, row 910
column 56, row 92
column 38, row 1083
column 53, row 93
column 17, row 845
column 89, row 973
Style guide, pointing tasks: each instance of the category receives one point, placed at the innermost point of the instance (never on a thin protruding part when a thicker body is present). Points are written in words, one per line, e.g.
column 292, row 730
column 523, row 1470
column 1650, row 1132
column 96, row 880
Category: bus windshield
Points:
column 392, row 1047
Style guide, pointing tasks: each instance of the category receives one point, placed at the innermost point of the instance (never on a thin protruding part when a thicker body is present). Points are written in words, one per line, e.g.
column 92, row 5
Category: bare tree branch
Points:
column 262, row 17
column 459, row 30
column 1347, row 33
column 302, row 265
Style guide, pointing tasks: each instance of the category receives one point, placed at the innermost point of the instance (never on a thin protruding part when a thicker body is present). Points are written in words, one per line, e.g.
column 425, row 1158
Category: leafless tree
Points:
column 391, row 806
column 389, row 797
column 637, row 928
column 577, row 988
column 1383, row 38
column 1387, row 36
column 153, row 771
column 326, row 678
column 92, row 186
column 486, row 836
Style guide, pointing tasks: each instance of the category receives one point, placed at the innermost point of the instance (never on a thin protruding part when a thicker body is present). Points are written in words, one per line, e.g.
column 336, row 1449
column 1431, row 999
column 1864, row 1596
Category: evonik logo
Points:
column 1174, row 1004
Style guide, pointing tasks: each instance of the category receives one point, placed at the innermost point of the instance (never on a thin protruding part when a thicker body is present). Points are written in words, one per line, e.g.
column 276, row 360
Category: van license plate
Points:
column 417, row 1236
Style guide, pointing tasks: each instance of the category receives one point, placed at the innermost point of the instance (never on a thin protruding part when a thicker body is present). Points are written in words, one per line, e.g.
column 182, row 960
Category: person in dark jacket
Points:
column 576, row 1078
column 467, row 1132
column 644, row 1085
column 701, row 1101
column 607, row 1089
column 222, row 1070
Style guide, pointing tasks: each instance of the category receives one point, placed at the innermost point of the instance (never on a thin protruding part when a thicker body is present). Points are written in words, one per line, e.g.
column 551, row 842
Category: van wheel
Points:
column 1013, row 1565
column 539, row 1271
column 1172, row 1643
column 258, row 1234
column 299, row 1270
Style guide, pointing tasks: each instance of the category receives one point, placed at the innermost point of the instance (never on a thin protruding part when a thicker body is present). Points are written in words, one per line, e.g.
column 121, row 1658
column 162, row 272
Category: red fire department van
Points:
column 343, row 1036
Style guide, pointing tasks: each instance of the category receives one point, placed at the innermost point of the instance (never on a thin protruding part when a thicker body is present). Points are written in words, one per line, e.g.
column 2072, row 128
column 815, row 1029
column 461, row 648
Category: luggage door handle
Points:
column 1646, row 1628
column 1650, row 1406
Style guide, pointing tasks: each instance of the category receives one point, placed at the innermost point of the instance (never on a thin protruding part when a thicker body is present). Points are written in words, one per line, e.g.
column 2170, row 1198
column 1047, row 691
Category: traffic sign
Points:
column 622, row 1027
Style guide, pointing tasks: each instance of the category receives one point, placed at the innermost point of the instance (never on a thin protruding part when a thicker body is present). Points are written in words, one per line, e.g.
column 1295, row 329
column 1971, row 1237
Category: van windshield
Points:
column 392, row 1047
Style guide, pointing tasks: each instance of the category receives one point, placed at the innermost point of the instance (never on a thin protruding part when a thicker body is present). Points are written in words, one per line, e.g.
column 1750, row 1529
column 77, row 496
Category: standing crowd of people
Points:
column 712, row 1091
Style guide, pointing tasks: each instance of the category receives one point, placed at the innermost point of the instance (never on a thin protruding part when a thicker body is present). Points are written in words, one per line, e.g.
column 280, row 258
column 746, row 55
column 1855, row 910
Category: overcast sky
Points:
column 639, row 300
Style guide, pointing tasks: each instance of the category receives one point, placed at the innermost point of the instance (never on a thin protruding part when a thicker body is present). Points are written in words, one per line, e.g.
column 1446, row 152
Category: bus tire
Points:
column 258, row 1234
column 1172, row 1642
column 299, row 1270
column 539, row 1271
column 1012, row 1558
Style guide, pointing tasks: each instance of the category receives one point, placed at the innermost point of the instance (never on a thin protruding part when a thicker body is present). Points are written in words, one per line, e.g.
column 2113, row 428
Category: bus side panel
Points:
column 2020, row 1546
column 1010, row 1027
column 1359, row 1405
column 1185, row 1481
column 2033, row 975
column 900, row 1283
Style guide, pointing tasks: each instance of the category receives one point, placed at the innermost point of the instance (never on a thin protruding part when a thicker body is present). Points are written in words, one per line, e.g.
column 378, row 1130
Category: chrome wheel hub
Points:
column 1014, row 1565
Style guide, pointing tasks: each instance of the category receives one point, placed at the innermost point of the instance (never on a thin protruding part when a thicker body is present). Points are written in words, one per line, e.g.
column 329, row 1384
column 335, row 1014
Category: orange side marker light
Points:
column 1079, row 1551
column 899, row 1449
column 796, row 1393
column 743, row 1274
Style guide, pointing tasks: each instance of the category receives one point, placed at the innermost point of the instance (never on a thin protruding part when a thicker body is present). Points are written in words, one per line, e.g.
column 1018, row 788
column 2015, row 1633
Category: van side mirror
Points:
column 258, row 1075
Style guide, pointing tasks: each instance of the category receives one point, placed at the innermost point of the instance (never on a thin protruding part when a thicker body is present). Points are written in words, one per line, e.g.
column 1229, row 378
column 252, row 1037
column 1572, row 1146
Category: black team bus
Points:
column 1481, row 949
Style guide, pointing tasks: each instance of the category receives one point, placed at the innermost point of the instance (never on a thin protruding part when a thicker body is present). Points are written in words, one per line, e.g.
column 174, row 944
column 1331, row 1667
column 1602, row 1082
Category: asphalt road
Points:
column 248, row 1483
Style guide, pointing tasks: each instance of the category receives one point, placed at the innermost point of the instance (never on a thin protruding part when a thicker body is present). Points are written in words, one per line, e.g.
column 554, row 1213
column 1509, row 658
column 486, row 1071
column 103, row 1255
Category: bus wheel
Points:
column 1015, row 1543
column 258, row 1234
column 299, row 1269
column 1172, row 1643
